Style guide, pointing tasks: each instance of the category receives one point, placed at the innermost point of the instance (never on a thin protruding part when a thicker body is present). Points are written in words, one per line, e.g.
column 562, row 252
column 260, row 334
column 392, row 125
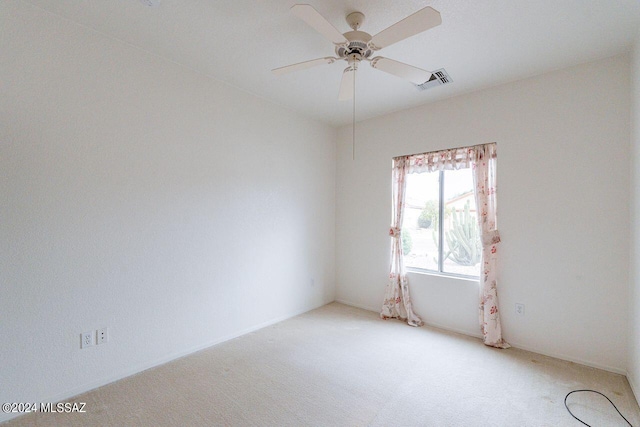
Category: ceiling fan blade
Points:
column 420, row 21
column 302, row 65
column 409, row 72
column 346, row 85
column 318, row 22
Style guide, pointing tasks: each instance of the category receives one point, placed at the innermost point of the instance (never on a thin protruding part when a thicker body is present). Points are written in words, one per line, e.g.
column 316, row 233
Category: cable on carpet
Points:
column 592, row 391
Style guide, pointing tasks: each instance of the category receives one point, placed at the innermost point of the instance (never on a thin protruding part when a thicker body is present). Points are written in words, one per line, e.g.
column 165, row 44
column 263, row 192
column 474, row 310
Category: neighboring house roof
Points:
column 463, row 196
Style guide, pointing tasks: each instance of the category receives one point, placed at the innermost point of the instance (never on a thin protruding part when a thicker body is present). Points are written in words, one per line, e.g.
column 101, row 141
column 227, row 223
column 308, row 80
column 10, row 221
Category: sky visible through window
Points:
column 423, row 188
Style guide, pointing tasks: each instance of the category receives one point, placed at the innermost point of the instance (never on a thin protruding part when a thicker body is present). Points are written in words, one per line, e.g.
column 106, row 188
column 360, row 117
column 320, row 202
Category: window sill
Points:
column 459, row 277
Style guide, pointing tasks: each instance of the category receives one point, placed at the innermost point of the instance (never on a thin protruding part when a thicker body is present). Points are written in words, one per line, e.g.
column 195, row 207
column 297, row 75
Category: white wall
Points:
column 633, row 360
column 563, row 206
column 139, row 195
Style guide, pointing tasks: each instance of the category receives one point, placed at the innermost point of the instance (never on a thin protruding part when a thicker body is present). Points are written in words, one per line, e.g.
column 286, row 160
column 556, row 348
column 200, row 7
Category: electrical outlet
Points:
column 102, row 336
column 86, row 339
column 520, row 309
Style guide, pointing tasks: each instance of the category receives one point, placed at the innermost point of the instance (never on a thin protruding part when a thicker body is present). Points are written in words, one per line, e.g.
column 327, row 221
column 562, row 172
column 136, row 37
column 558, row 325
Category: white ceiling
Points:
column 480, row 43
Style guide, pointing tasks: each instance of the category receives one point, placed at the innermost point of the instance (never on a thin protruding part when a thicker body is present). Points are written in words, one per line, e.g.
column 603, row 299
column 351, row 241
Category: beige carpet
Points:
column 342, row 366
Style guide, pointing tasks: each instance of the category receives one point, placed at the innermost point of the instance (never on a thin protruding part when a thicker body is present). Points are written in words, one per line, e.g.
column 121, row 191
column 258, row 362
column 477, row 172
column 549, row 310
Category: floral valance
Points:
column 451, row 159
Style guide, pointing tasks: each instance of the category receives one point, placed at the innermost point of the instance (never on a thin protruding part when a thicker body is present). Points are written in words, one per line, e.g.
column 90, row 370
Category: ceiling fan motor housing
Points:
column 358, row 44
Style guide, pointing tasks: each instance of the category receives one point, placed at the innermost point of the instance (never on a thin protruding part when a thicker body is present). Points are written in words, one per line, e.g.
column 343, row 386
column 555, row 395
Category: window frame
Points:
column 441, row 209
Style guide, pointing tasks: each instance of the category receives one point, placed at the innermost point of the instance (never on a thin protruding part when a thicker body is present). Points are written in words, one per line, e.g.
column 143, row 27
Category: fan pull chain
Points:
column 353, row 124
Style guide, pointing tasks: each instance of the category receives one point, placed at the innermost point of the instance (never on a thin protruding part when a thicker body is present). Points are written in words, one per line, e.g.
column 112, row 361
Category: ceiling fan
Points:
column 357, row 46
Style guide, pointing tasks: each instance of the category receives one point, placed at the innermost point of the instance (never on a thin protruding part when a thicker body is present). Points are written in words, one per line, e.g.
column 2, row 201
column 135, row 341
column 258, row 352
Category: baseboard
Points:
column 434, row 325
column 635, row 387
column 570, row 359
column 69, row 394
column 515, row 345
column 457, row 331
column 353, row 304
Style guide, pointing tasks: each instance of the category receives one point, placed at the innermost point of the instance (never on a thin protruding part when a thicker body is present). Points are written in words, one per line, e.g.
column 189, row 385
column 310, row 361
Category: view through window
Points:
column 446, row 198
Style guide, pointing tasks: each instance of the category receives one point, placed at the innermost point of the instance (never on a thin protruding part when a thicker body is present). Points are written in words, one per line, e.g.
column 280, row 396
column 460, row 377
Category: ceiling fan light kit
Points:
column 357, row 46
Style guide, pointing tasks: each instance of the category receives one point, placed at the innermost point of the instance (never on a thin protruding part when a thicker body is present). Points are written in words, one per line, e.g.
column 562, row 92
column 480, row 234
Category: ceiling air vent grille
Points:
column 439, row 77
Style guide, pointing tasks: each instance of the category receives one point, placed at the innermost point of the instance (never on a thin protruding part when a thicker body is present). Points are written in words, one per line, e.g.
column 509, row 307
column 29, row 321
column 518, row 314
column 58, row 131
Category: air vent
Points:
column 439, row 77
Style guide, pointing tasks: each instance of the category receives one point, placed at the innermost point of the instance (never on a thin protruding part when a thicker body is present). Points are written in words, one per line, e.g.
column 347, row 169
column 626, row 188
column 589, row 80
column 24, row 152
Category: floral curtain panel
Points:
column 397, row 301
column 484, row 180
column 482, row 160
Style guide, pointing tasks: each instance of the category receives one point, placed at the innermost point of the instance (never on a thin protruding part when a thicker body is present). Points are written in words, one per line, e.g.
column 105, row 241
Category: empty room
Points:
column 333, row 213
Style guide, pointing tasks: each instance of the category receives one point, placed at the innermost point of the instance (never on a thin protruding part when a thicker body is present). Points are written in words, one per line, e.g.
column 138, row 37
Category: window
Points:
column 447, row 198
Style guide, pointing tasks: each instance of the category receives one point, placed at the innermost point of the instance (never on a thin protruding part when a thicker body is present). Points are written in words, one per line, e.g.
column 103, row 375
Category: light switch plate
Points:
column 102, row 336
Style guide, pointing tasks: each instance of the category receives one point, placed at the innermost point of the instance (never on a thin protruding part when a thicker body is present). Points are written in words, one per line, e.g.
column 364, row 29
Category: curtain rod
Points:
column 443, row 150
